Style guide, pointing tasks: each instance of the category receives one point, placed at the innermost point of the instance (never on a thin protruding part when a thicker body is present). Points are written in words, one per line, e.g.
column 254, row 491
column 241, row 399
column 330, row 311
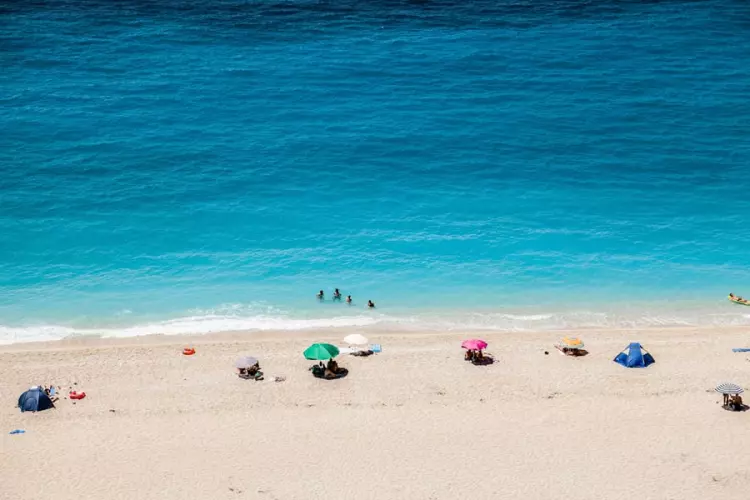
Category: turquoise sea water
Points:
column 206, row 166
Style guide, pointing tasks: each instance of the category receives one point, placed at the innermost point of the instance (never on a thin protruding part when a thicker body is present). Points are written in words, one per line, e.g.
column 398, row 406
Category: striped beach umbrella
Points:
column 727, row 388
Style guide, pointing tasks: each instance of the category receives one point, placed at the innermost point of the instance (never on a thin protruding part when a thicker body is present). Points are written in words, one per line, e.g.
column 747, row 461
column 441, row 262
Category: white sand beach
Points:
column 414, row 422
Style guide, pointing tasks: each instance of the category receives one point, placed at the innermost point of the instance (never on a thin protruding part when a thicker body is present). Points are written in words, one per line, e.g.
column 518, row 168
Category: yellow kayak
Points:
column 737, row 300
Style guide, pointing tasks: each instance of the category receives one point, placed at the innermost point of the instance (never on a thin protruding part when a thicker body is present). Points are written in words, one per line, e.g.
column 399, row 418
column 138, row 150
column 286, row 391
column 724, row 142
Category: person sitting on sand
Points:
column 370, row 304
column 336, row 294
column 349, row 299
column 469, row 356
column 251, row 372
column 331, row 370
column 51, row 393
column 320, row 295
column 478, row 356
column 735, row 402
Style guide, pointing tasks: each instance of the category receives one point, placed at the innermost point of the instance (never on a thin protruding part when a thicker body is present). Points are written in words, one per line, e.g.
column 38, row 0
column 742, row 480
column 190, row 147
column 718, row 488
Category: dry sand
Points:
column 415, row 422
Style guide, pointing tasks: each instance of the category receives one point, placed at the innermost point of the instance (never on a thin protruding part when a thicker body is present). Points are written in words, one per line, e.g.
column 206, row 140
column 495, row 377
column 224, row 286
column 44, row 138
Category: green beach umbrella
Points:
column 321, row 352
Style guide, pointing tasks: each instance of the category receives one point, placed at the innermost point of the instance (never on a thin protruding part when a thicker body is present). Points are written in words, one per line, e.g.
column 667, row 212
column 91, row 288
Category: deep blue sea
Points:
column 198, row 166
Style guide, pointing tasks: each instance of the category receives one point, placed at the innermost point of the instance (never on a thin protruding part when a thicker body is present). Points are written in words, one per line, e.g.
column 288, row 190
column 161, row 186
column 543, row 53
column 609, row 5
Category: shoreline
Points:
column 335, row 335
column 623, row 316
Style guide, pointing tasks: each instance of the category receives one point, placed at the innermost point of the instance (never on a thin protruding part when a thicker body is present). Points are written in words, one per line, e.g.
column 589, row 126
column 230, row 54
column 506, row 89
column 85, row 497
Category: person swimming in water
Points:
column 320, row 295
column 370, row 304
column 349, row 299
column 336, row 294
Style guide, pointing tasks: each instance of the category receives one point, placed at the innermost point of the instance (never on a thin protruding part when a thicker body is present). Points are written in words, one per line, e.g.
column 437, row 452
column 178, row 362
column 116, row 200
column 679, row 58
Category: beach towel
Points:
column 375, row 348
column 741, row 349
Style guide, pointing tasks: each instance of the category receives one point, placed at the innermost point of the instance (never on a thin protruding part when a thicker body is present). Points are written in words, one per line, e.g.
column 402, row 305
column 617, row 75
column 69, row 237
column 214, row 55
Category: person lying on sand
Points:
column 367, row 352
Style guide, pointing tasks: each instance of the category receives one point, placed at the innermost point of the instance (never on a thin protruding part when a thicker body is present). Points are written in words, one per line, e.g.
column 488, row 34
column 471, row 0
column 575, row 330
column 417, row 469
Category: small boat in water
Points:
column 738, row 300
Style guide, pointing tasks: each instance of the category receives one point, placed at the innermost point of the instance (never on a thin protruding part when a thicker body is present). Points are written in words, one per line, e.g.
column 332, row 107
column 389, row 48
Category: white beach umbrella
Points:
column 356, row 339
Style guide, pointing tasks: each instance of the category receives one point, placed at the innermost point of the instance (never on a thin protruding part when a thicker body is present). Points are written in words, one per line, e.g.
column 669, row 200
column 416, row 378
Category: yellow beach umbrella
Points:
column 572, row 343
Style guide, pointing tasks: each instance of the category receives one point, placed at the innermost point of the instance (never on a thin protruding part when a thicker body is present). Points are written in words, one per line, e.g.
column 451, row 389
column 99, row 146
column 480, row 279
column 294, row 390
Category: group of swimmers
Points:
column 737, row 298
column 337, row 296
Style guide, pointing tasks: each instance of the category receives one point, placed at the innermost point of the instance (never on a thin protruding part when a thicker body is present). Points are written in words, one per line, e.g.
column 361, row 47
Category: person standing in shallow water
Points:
column 349, row 299
column 320, row 295
column 371, row 304
column 336, row 294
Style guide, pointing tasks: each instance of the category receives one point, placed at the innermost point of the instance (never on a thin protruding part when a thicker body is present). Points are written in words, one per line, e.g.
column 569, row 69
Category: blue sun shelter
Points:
column 34, row 399
column 635, row 356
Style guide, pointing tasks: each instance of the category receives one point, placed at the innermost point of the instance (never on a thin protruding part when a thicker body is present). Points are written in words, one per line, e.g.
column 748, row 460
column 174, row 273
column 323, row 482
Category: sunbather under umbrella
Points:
column 728, row 389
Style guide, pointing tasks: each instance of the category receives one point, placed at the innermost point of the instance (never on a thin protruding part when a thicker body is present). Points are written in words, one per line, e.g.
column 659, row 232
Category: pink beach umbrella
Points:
column 474, row 344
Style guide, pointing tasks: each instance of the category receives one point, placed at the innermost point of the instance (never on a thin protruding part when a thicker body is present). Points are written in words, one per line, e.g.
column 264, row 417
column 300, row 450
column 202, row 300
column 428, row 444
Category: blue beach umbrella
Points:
column 34, row 399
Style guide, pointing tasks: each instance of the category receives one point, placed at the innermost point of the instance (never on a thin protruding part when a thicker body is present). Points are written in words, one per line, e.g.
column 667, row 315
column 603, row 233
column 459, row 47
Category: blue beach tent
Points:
column 634, row 356
column 34, row 400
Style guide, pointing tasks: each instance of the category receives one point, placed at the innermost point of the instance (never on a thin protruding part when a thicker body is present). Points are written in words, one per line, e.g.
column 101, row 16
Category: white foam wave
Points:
column 238, row 318
column 188, row 325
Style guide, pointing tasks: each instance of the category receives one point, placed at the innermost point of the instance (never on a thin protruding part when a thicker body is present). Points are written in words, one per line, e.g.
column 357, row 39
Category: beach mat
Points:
column 741, row 349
